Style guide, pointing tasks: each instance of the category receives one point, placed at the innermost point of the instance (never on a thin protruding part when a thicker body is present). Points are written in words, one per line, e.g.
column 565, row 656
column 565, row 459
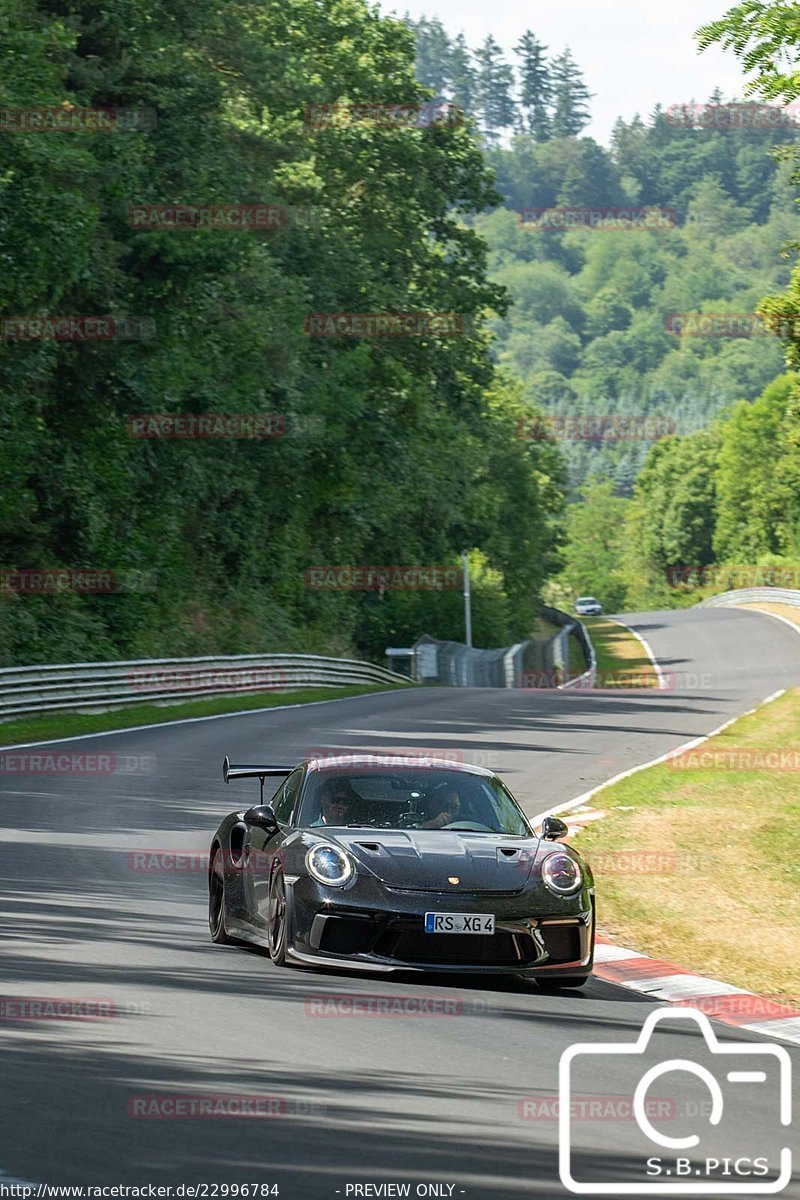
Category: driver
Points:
column 448, row 804
column 339, row 800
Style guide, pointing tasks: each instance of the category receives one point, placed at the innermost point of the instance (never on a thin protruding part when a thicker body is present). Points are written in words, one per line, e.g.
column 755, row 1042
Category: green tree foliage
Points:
column 672, row 515
column 595, row 544
column 543, row 98
column 570, row 97
column 535, row 91
column 727, row 497
column 765, row 35
column 758, row 488
column 495, row 82
column 463, row 82
column 433, row 55
column 592, row 305
column 406, row 465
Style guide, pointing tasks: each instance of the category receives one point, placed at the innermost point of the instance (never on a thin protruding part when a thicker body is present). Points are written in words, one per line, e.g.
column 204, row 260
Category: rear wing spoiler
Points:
column 251, row 771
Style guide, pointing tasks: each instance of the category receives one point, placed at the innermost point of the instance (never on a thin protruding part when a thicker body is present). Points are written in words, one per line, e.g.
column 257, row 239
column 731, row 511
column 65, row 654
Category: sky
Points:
column 633, row 55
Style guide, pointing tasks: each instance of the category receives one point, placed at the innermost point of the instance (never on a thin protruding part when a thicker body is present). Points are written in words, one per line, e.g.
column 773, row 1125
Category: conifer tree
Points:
column 570, row 97
column 495, row 89
column 535, row 90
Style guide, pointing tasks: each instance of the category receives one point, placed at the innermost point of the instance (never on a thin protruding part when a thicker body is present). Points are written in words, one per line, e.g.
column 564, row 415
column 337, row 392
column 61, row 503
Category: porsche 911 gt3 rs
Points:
column 373, row 863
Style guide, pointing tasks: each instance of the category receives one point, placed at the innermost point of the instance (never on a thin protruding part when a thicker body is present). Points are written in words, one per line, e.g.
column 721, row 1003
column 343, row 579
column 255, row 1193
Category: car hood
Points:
column 423, row 860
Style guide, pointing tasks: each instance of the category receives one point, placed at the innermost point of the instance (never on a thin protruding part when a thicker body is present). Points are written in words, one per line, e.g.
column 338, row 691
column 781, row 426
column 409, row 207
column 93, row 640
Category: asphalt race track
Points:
column 463, row 1099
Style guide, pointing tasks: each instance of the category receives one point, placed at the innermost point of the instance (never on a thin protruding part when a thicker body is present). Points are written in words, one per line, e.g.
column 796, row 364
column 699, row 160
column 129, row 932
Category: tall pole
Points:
column 467, row 602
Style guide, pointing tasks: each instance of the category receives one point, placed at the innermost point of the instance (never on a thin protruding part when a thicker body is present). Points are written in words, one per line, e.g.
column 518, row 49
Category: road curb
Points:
column 672, row 984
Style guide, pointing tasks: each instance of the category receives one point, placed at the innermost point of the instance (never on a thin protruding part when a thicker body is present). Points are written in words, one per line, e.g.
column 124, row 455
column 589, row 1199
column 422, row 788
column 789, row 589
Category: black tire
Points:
column 216, row 900
column 566, row 981
column 278, row 928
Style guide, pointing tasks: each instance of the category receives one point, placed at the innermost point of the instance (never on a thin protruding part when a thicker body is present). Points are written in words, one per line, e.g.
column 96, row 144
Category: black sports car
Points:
column 371, row 863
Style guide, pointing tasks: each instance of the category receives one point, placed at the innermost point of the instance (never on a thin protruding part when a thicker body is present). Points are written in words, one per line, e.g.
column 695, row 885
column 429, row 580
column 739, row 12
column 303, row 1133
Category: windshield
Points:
column 419, row 799
column 586, row 600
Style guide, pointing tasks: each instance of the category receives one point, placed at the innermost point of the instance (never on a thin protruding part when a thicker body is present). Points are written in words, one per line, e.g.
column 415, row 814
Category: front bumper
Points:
column 349, row 931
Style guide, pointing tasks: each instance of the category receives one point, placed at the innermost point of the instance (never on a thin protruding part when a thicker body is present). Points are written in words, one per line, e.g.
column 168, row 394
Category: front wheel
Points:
column 278, row 928
column 216, row 901
column 566, row 981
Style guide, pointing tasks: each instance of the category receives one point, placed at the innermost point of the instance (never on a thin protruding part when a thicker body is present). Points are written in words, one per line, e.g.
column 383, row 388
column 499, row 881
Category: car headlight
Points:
column 562, row 874
column 329, row 865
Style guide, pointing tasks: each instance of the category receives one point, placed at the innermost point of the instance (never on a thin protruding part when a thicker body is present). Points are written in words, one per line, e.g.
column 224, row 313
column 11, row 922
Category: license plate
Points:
column 459, row 922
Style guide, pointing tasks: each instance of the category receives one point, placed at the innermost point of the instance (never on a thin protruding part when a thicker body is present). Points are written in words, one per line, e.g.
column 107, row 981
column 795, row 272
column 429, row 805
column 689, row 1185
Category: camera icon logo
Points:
column 682, row 1163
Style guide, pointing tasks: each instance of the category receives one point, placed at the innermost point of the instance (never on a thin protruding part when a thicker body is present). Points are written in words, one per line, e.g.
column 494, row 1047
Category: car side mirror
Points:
column 262, row 815
column 554, row 828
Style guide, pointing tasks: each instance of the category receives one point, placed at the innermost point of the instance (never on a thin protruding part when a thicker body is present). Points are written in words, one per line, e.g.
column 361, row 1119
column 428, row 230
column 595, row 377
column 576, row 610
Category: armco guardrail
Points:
column 453, row 664
column 572, row 626
column 101, row 685
column 776, row 595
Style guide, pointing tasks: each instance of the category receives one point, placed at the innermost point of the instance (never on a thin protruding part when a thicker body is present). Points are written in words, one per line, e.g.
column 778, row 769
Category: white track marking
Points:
column 603, row 953
column 662, row 683
column 684, row 987
column 786, row 1028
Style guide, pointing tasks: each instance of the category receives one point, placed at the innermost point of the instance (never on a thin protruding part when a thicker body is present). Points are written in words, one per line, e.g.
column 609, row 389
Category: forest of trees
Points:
column 588, row 333
column 397, row 451
column 714, row 510
column 413, row 454
column 547, row 97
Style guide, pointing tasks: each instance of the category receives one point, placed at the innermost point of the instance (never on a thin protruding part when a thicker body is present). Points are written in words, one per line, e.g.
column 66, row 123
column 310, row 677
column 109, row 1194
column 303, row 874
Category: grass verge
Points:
column 35, row 728
column 622, row 660
column 700, row 864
